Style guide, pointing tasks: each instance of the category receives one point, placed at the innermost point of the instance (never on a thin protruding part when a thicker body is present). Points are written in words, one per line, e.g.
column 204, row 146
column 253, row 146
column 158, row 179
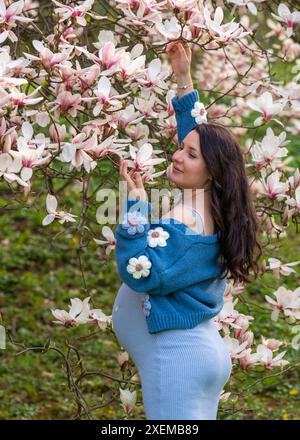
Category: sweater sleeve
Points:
column 183, row 107
column 141, row 256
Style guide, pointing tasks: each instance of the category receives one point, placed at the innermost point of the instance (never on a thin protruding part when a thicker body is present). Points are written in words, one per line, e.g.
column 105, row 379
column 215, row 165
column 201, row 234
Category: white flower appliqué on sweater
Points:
column 157, row 237
column 139, row 267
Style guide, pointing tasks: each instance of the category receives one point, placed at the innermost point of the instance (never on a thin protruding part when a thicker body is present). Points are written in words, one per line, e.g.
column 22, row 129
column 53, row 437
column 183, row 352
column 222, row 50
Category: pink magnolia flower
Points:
column 264, row 104
column 48, row 59
column 77, row 12
column 128, row 399
column 11, row 14
column 266, row 357
column 99, row 318
column 110, row 239
column 290, row 19
column 7, row 74
column 269, row 149
column 246, row 359
column 132, row 64
column 273, row 188
column 17, row 98
column 61, row 216
column 295, row 202
column 154, row 77
column 67, row 103
column 286, row 300
column 277, row 267
column 79, row 312
column 105, row 96
column 142, row 159
column 234, row 347
column 145, row 10
column 223, row 33
column 76, row 152
column 272, row 344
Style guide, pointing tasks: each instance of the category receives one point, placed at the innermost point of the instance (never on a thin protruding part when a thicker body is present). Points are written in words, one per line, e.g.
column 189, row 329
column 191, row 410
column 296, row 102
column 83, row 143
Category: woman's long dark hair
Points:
column 232, row 205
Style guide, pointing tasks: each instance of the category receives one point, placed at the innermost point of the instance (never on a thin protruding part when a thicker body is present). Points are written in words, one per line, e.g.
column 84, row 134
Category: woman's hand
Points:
column 180, row 56
column 135, row 186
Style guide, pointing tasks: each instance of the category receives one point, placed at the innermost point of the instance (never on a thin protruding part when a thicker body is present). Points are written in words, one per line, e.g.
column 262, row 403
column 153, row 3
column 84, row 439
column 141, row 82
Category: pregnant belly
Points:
column 129, row 322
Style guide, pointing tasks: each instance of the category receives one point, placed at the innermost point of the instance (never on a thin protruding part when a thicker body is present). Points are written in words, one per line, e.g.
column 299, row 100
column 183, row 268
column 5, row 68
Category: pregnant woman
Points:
column 174, row 269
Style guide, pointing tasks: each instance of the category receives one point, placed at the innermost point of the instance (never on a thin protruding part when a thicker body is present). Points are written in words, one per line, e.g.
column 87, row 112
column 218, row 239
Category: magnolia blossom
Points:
column 77, row 12
column 224, row 396
column 234, row 347
column 279, row 268
column 170, row 29
column 9, row 16
column 227, row 316
column 76, row 152
column 110, row 239
column 246, row 359
column 266, row 357
column 17, row 98
column 265, row 105
column 103, row 93
column 222, row 33
column 128, row 399
column 142, row 159
column 99, row 318
column 6, row 71
column 154, row 77
column 269, row 149
column 286, row 301
column 272, row 344
column 290, row 19
column 78, row 314
column 295, row 201
column 51, row 205
column 46, row 56
column 250, row 4
column 273, row 188
column 9, row 168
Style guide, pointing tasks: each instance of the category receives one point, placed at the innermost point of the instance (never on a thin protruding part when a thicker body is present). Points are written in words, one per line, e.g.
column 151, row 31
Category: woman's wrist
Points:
column 184, row 79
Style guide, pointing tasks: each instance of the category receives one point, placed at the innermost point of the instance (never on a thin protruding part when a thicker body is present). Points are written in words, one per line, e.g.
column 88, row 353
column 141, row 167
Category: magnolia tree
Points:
column 83, row 84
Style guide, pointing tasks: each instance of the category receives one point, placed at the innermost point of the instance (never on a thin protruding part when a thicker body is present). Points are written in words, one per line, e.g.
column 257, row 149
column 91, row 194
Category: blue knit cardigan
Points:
column 177, row 268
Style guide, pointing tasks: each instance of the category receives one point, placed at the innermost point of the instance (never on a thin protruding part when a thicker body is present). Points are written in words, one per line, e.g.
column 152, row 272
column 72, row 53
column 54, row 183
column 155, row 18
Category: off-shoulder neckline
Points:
column 193, row 235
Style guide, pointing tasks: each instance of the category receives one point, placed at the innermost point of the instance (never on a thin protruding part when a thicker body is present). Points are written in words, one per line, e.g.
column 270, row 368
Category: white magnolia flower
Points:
column 234, row 347
column 128, row 399
column 290, row 19
column 78, row 313
column 295, row 202
column 286, row 301
column 247, row 3
column 139, row 267
column 110, row 239
column 273, row 188
column 264, row 104
column 280, row 268
column 51, row 205
column 99, row 318
column 269, row 149
column 157, row 237
column 266, row 357
column 9, row 168
column 199, row 113
column 170, row 29
column 222, row 33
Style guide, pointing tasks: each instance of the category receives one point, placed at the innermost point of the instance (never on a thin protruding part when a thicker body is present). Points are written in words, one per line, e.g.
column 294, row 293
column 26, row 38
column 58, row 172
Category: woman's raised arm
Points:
column 180, row 56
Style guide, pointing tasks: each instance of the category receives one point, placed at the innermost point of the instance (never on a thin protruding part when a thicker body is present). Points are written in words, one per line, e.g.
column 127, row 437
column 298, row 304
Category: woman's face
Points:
column 191, row 170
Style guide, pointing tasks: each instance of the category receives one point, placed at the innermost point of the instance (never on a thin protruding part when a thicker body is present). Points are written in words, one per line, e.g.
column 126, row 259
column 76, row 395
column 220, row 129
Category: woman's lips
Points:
column 177, row 170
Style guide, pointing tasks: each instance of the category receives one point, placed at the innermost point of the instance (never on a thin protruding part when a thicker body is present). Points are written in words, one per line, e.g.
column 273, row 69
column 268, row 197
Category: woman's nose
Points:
column 176, row 155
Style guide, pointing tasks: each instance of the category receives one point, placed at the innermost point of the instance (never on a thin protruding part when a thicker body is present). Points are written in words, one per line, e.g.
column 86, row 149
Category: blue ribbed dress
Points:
column 182, row 371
